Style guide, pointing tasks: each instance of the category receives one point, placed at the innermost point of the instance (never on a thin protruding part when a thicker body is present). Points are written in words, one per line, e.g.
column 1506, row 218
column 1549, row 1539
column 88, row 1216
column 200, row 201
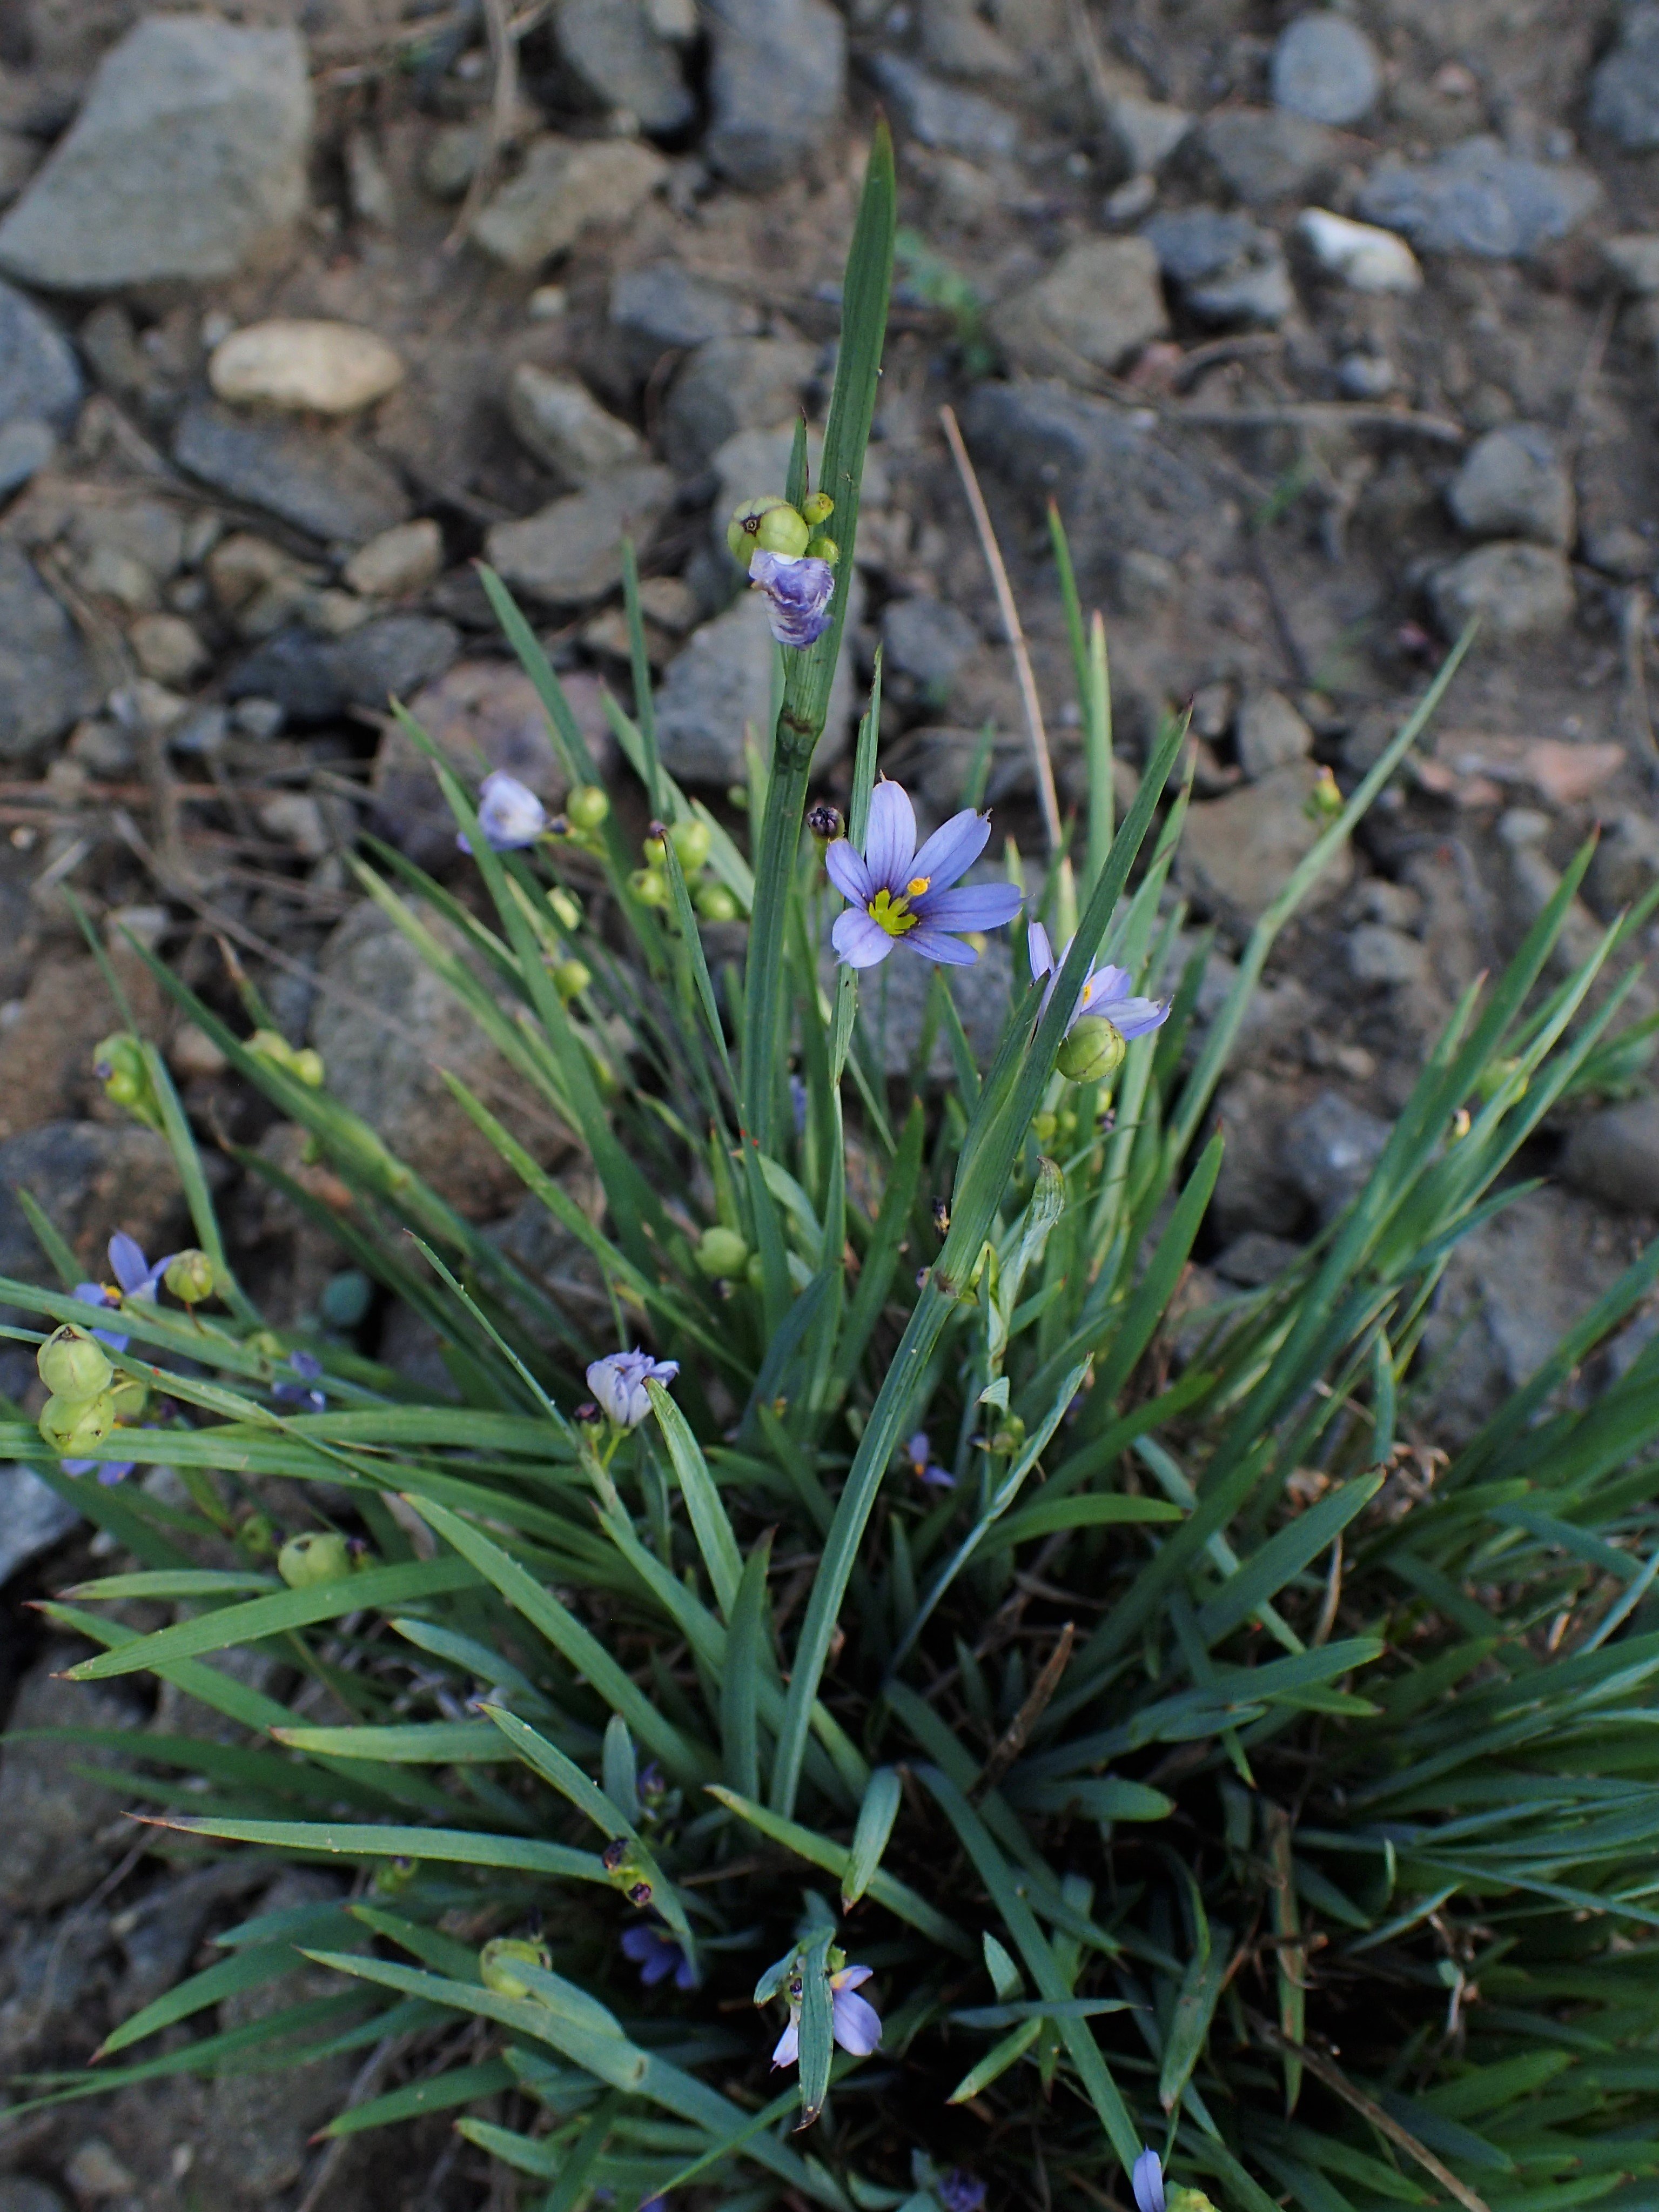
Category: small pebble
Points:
column 1325, row 69
column 328, row 368
column 1365, row 258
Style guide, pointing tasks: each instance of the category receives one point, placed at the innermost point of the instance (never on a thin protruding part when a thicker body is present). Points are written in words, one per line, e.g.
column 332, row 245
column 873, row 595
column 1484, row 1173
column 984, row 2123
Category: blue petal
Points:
column 973, row 906
column 848, row 872
column 934, row 944
column 891, row 841
column 1041, row 952
column 1133, row 1017
column 953, row 848
column 860, row 942
column 1147, row 2181
column 126, row 1260
column 857, row 2024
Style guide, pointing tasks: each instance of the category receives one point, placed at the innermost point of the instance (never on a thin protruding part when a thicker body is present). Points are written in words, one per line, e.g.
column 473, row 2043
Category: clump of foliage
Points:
column 1158, row 1740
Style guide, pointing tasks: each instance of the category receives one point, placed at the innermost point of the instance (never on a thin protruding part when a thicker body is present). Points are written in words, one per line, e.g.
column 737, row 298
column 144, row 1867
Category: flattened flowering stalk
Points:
column 899, row 896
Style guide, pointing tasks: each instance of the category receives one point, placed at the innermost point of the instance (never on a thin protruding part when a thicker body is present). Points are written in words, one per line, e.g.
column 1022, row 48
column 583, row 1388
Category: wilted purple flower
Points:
column 619, row 1383
column 509, row 814
column 1146, row 2178
column 1106, row 993
column 307, row 1367
column 902, row 896
column 798, row 591
column 658, row 1954
column 133, row 1273
column 960, row 2191
column 854, row 2021
column 920, row 1453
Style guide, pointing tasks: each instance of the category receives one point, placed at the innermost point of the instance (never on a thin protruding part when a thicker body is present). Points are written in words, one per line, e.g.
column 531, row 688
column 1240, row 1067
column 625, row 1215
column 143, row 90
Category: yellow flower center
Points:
column 894, row 914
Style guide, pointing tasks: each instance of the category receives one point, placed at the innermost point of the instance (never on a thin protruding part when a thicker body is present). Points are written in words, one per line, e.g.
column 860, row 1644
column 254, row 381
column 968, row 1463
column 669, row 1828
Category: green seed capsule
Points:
column 497, row 1959
column 128, row 1396
column 72, row 1365
column 714, row 902
column 321, row 1555
column 190, row 1277
column 692, row 841
column 71, row 1425
column 1092, row 1052
column 257, row 1536
column 743, row 531
column 820, row 547
column 782, row 530
column 721, row 1253
column 571, row 978
column 587, row 806
column 818, row 510
column 566, row 905
column 307, row 1064
column 648, row 887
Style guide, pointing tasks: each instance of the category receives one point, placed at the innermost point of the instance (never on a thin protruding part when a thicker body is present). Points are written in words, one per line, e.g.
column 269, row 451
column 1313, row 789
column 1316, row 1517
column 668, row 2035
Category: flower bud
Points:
column 1092, row 1051
column 1044, row 1127
column 571, row 978
column 820, row 547
column 767, row 525
column 72, row 1365
column 818, row 510
column 190, row 1277
column 587, row 806
column 321, row 1555
column 271, row 1044
column 1322, row 804
column 650, row 888
column 692, row 841
column 826, row 822
column 721, row 1253
column 714, row 902
column 72, row 1426
column 565, row 906
column 495, row 1963
column 307, row 1064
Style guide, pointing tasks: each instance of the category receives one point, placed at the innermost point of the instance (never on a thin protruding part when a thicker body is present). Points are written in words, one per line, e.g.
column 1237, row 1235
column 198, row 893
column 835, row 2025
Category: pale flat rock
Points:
column 571, row 551
column 324, row 368
column 1100, row 303
column 401, row 560
column 1239, row 851
column 561, row 422
column 1366, row 257
column 565, row 187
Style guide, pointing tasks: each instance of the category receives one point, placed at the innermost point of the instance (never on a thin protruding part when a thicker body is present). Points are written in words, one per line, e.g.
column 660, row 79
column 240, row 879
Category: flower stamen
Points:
column 890, row 913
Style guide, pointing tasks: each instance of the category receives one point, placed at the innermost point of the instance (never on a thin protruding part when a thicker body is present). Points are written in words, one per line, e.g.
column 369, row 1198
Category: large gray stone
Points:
column 1514, row 484
column 1476, row 198
column 614, row 48
column 1330, row 1148
column 55, row 1821
column 721, row 683
column 1326, row 67
column 40, row 379
column 319, row 481
column 730, row 385
column 1238, row 850
column 1517, row 590
column 32, row 1518
column 927, row 640
column 571, row 551
column 1615, row 1156
column 46, row 679
column 940, row 116
column 1227, row 268
column 1624, row 100
column 566, row 186
column 316, row 678
column 561, row 422
column 90, row 1179
column 186, row 160
column 1265, row 154
column 664, row 307
column 776, row 81
column 1099, row 304
column 1270, row 734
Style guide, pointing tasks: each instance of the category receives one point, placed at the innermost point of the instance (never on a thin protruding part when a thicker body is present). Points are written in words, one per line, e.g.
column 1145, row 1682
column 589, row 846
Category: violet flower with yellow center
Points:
column 902, row 896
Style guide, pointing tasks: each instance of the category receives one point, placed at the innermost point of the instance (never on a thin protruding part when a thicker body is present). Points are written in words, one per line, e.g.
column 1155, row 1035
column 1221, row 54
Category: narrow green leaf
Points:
column 877, row 1815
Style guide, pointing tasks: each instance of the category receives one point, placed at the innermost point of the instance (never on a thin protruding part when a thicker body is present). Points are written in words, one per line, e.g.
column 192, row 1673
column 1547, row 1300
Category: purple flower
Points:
column 798, row 594
column 307, row 1367
column 902, row 896
column 137, row 1279
column 1146, row 2178
column 920, row 1453
column 109, row 1472
column 960, row 2191
column 854, row 2022
column 658, row 1954
column 1106, row 993
column 509, row 814
column 619, row 1383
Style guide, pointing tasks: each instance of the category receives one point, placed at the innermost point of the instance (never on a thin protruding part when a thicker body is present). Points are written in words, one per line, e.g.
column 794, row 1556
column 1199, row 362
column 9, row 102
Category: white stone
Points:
column 327, row 369
column 400, row 560
column 1364, row 257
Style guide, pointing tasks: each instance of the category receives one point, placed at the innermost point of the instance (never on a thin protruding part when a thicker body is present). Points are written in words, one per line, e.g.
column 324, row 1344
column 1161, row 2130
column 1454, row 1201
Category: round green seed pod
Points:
column 257, row 1536
column 692, row 841
column 321, row 1555
column 722, row 1256
column 818, row 510
column 587, row 806
column 714, row 902
column 495, row 1963
column 650, row 888
column 71, row 1425
column 190, row 1277
column 129, row 1397
column 1092, row 1051
column 571, row 978
column 743, row 531
column 307, row 1064
column 782, row 530
column 72, row 1365
column 820, row 547
column 566, row 905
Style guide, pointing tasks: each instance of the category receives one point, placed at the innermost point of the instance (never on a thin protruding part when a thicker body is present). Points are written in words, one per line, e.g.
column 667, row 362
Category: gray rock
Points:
column 1145, row 132
column 663, row 308
column 46, row 679
column 1625, row 863
column 321, row 481
column 571, row 551
column 1270, row 734
column 1517, row 591
column 721, row 681
column 1120, row 487
column 566, row 186
column 1227, row 268
column 949, row 121
column 957, row 39
column 1514, row 484
column 1477, row 199
column 613, row 46
column 1624, row 101
column 1366, row 376
column 159, row 1935
column 893, row 1006
column 776, row 81
column 18, row 2193
column 1238, row 850
column 1254, row 1190
column 1615, row 1156
column 561, row 422
column 55, row 1821
column 1099, row 304
column 1633, row 257
column 1325, row 68
column 32, row 1518
column 928, row 640
column 25, row 450
column 1378, row 954
column 40, row 381
column 730, row 385
column 91, row 1179
column 1330, row 1148
column 1256, row 1258
column 1265, row 154
column 186, row 160
column 313, row 679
